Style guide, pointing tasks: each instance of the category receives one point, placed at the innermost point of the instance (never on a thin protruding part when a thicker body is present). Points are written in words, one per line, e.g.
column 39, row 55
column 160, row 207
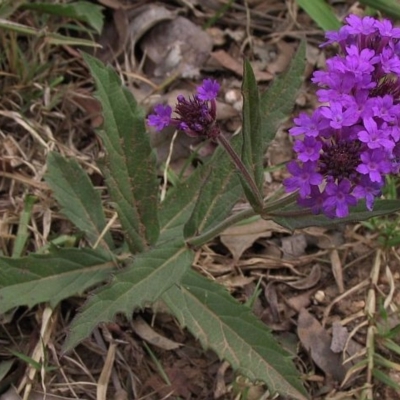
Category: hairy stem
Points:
column 213, row 232
column 242, row 169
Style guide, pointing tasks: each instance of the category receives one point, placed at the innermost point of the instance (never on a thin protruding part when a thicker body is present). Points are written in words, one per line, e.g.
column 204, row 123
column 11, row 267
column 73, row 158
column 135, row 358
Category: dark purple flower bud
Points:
column 196, row 116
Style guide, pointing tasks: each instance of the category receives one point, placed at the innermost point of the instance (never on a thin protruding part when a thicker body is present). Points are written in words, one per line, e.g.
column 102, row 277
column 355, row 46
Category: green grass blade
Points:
column 50, row 37
column 142, row 282
column 385, row 379
column 388, row 7
column 80, row 202
column 130, row 167
column 22, row 233
column 234, row 333
column 51, row 277
column 81, row 10
column 321, row 13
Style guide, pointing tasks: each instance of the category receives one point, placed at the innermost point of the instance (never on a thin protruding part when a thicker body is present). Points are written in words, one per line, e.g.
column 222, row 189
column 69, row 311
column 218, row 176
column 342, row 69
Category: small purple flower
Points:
column 161, row 118
column 375, row 138
column 303, row 178
column 374, row 164
column 339, row 117
column 339, row 198
column 367, row 190
column 208, row 90
column 308, row 150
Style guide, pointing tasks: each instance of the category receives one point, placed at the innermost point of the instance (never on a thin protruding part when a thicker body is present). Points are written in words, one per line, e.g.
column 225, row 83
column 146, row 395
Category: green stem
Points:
column 242, row 169
column 278, row 204
column 213, row 232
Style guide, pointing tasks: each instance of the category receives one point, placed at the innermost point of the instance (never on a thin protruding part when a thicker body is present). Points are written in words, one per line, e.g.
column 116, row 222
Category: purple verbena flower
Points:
column 304, row 177
column 196, row 116
column 339, row 198
column 352, row 140
column 161, row 118
column 208, row 90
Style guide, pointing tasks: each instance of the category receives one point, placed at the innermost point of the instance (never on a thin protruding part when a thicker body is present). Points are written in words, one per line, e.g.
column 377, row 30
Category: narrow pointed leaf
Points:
column 277, row 102
column 321, row 13
column 220, row 191
column 296, row 217
column 75, row 193
column 51, row 277
column 389, row 7
column 130, row 167
column 234, row 333
column 253, row 149
column 81, row 10
column 23, row 223
column 142, row 282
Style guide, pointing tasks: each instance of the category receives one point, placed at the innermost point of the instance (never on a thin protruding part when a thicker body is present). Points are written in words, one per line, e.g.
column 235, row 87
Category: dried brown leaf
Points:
column 309, row 281
column 147, row 333
column 239, row 238
column 317, row 342
column 228, row 62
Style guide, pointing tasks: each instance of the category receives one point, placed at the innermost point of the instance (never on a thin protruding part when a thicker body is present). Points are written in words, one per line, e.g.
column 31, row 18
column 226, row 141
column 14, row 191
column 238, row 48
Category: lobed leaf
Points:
column 130, row 167
column 51, row 277
column 142, row 282
column 234, row 333
column 79, row 201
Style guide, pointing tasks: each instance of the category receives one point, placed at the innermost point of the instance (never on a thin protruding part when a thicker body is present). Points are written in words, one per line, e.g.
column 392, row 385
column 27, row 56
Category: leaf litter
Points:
column 310, row 287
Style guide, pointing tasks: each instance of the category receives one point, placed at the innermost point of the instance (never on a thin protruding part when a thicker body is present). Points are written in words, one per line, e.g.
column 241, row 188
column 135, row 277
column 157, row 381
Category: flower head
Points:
column 196, row 116
column 352, row 142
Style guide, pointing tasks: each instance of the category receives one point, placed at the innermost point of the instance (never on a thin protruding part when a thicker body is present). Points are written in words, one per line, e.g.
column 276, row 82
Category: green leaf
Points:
column 220, row 191
column 22, row 234
column 278, row 100
column 234, row 333
column 130, row 167
column 296, row 217
column 389, row 7
column 81, row 10
column 321, row 13
column 50, row 37
column 51, row 277
column 80, row 202
column 253, row 149
column 178, row 205
column 142, row 282
column 385, row 379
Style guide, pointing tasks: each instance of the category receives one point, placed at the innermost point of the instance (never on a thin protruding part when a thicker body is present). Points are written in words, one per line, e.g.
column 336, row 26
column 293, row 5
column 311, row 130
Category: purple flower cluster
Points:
column 348, row 145
column 195, row 116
